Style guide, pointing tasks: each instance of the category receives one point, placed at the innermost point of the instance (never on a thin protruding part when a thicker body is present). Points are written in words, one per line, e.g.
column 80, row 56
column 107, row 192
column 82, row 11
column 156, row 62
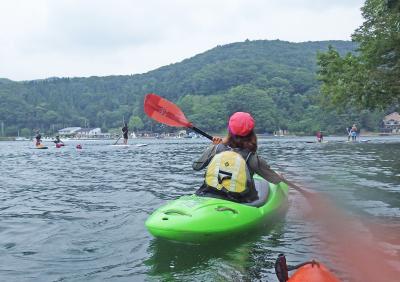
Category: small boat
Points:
column 41, row 147
column 141, row 145
column 120, row 145
column 128, row 145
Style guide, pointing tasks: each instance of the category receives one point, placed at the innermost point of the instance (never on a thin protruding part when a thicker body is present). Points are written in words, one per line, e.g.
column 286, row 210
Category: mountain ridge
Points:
column 279, row 69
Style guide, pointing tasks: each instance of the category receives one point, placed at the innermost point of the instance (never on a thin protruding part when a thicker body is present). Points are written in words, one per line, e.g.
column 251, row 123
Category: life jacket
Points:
column 228, row 173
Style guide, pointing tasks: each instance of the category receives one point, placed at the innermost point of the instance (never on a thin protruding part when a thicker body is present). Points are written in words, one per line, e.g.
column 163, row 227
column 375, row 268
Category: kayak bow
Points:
column 310, row 271
column 313, row 273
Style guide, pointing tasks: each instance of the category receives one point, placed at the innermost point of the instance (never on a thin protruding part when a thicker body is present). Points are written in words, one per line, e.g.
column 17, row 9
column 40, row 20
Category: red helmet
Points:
column 241, row 124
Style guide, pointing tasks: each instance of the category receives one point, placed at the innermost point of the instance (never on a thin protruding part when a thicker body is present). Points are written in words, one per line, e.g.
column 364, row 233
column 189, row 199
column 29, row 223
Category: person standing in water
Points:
column 38, row 138
column 125, row 133
column 353, row 133
column 320, row 137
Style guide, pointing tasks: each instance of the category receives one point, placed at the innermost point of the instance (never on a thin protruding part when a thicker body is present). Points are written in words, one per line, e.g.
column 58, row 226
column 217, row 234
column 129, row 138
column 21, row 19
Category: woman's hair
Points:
column 248, row 142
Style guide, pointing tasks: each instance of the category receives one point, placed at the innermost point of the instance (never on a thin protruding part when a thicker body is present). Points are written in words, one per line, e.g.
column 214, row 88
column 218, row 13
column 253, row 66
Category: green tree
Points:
column 370, row 78
column 135, row 123
column 25, row 132
column 272, row 79
column 258, row 102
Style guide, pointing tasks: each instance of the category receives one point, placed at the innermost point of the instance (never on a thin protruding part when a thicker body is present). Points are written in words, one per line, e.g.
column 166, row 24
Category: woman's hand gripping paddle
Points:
column 168, row 113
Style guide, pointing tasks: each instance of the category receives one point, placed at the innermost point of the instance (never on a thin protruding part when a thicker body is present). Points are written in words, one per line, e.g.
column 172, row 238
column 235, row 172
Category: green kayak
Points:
column 197, row 218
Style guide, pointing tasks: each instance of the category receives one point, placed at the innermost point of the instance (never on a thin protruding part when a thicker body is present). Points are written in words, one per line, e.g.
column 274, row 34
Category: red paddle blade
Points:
column 164, row 111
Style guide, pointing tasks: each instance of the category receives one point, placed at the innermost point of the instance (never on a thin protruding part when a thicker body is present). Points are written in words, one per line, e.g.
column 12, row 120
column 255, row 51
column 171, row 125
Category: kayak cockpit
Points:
column 262, row 188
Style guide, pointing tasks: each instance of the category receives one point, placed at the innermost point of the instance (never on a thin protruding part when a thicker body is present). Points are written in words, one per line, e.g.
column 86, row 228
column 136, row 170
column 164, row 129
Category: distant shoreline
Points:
column 363, row 134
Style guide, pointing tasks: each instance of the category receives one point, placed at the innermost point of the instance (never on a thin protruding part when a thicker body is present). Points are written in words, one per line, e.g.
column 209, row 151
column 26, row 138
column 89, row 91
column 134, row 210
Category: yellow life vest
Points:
column 228, row 172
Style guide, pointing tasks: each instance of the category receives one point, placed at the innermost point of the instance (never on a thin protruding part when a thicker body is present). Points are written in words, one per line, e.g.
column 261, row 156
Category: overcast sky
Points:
column 68, row 38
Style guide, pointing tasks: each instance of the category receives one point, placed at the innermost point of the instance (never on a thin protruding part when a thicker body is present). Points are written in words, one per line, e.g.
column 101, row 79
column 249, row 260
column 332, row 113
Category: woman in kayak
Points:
column 240, row 139
column 58, row 140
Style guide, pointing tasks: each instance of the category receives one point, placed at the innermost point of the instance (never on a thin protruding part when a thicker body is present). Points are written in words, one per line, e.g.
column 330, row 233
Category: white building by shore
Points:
column 391, row 123
column 79, row 132
column 68, row 131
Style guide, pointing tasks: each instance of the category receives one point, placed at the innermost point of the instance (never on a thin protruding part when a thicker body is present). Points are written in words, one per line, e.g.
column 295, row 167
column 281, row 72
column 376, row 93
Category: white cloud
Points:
column 45, row 38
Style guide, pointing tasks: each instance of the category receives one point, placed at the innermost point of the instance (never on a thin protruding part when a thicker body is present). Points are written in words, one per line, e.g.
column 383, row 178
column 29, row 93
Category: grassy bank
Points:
column 7, row 138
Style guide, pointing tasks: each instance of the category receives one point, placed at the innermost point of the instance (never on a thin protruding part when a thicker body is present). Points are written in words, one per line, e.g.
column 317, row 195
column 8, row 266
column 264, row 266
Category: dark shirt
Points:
column 38, row 137
column 125, row 132
column 58, row 140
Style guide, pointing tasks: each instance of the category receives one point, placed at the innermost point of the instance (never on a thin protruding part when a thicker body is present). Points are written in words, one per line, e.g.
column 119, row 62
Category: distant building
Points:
column 68, row 131
column 88, row 132
column 79, row 132
column 391, row 123
column 182, row 134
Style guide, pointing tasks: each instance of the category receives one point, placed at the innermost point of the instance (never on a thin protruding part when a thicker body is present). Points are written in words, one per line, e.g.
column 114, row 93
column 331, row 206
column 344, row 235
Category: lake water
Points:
column 78, row 215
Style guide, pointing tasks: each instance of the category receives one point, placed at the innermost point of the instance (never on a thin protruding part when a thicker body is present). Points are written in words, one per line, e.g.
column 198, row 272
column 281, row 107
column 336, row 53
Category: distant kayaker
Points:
column 125, row 133
column 242, row 140
column 58, row 140
column 38, row 137
column 320, row 136
column 353, row 132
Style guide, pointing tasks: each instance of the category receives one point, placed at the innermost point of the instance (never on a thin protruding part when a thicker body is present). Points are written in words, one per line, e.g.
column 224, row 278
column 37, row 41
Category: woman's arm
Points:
column 260, row 166
column 205, row 158
column 207, row 155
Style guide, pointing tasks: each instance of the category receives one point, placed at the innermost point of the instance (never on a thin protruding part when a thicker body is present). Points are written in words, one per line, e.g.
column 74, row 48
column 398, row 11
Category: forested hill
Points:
column 275, row 80
column 240, row 63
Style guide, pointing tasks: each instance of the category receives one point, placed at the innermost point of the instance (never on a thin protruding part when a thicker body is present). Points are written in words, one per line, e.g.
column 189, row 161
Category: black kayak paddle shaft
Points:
column 201, row 132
